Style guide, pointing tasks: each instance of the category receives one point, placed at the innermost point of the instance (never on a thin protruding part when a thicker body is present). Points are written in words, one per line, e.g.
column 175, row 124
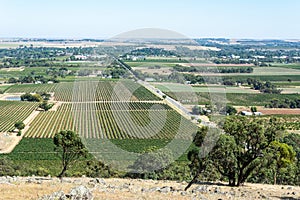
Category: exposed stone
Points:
column 165, row 189
column 80, row 193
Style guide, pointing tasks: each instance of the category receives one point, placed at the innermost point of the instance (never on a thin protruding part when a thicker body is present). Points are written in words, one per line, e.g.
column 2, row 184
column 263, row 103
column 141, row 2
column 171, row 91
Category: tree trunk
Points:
column 62, row 173
column 192, row 182
column 231, row 181
column 275, row 177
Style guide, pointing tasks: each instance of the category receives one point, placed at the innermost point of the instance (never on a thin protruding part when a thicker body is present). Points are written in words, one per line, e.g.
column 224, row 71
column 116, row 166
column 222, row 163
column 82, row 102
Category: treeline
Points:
column 264, row 87
column 152, row 52
column 224, row 70
column 286, row 103
column 32, row 79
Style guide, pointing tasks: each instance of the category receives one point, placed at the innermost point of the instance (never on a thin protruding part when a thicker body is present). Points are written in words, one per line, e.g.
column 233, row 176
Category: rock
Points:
column 144, row 190
column 100, row 181
column 184, row 193
column 154, row 189
column 165, row 189
column 217, row 190
column 60, row 195
column 80, row 193
column 201, row 189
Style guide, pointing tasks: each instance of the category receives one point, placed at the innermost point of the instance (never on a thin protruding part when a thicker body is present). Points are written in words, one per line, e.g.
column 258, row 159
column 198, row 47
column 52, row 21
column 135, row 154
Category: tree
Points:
column 31, row 97
column 20, row 126
column 151, row 162
column 283, row 155
column 199, row 161
column 253, row 109
column 230, row 110
column 251, row 138
column 238, row 150
column 196, row 110
column 71, row 148
column 45, row 106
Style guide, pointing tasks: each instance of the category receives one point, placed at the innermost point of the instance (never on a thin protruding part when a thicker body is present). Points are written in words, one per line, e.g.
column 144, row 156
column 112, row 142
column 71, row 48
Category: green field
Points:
column 81, row 91
column 289, row 66
column 111, row 120
column 12, row 112
column 151, row 64
column 174, row 87
column 235, row 99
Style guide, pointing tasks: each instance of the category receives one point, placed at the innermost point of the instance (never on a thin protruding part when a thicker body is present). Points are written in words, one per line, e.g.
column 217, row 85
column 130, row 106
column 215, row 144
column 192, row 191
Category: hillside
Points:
column 38, row 187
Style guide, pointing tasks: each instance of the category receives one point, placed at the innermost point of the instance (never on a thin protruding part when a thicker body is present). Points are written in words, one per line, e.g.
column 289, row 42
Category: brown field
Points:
column 115, row 189
column 280, row 111
column 215, row 65
column 161, row 71
column 270, row 111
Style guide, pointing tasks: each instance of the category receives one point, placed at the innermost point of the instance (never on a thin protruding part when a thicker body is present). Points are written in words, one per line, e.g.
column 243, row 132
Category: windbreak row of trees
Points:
column 223, row 70
column 286, row 103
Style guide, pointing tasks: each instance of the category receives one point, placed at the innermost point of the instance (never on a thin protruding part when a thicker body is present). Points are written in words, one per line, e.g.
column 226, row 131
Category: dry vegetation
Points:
column 144, row 189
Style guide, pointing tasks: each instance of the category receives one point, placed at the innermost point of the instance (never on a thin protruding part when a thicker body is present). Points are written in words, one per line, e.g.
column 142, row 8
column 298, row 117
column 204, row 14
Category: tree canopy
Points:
column 70, row 147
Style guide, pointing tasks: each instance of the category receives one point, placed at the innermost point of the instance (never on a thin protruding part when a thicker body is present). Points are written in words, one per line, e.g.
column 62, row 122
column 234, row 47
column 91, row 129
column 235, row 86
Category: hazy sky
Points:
column 193, row 18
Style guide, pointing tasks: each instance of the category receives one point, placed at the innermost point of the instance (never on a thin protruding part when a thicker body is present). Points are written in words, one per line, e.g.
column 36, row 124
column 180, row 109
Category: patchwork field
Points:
column 176, row 87
column 82, row 91
column 119, row 120
column 11, row 112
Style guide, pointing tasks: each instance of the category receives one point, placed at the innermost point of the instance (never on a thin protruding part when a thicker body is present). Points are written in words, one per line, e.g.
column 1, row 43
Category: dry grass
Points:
column 24, row 190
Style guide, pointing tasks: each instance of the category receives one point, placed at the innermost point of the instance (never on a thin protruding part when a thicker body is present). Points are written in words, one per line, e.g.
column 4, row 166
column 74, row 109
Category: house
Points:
column 246, row 113
column 257, row 113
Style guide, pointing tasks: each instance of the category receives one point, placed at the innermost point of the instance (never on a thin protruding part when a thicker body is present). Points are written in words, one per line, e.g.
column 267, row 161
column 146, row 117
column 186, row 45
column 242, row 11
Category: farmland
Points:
column 173, row 87
column 110, row 120
column 11, row 112
column 119, row 107
column 88, row 90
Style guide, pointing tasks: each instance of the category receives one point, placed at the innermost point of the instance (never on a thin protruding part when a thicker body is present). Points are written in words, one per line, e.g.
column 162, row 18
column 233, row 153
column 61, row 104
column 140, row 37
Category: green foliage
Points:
column 284, row 103
column 253, row 109
column 46, row 106
column 31, row 97
column 151, row 162
column 19, row 125
column 6, row 167
column 238, row 150
column 69, row 145
column 12, row 112
column 230, row 110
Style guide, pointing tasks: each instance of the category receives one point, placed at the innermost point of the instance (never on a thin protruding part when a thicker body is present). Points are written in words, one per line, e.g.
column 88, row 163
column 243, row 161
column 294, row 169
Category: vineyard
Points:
column 82, row 91
column 115, row 120
column 11, row 112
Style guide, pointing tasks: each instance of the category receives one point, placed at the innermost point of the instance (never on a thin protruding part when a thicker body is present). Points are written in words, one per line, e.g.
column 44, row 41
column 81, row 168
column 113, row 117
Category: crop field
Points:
column 152, row 64
column 176, row 87
column 119, row 120
column 235, row 99
column 31, row 88
column 11, row 112
column 4, row 87
column 290, row 90
column 289, row 66
column 82, row 91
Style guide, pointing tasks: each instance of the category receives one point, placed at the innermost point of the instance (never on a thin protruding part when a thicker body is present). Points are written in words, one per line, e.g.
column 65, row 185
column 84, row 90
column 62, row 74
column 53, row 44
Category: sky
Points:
column 251, row 19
